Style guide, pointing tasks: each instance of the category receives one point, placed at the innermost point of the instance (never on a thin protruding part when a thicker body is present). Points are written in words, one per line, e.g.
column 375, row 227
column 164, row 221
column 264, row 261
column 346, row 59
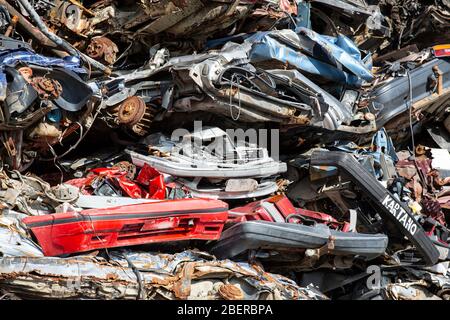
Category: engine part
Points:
column 133, row 113
column 102, row 49
column 47, row 89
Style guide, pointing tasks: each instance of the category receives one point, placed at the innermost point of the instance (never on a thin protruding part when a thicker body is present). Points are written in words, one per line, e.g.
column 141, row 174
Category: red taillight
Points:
column 441, row 51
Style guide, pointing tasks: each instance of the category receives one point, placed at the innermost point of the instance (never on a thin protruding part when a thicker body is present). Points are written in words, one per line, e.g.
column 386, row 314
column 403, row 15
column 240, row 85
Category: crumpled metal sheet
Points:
column 185, row 275
column 301, row 67
column 423, row 23
column 419, row 283
column 325, row 54
column 14, row 241
column 12, row 57
column 315, row 106
column 410, row 291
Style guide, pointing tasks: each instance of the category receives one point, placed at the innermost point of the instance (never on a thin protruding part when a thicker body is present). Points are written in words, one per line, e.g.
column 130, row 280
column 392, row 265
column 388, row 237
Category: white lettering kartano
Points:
column 400, row 214
column 403, row 219
column 391, row 207
column 385, row 201
column 202, row 311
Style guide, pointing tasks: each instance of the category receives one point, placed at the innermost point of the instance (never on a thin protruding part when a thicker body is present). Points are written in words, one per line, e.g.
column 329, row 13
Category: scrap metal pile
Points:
column 225, row 149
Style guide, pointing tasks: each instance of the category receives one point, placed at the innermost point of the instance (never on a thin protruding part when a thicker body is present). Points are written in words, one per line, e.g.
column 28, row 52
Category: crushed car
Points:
column 223, row 149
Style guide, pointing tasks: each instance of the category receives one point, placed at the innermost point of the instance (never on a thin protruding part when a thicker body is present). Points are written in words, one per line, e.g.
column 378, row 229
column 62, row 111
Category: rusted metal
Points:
column 10, row 146
column 420, row 150
column 369, row 116
column 102, row 48
column 439, row 78
column 26, row 72
column 127, row 167
column 230, row 292
column 48, row 89
column 12, row 26
column 32, row 31
column 78, row 4
column 166, row 63
column 131, row 111
column 97, row 278
column 134, row 114
column 59, row 41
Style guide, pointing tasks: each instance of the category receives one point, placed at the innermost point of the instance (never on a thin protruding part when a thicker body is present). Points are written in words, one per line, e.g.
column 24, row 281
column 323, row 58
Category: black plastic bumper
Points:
column 269, row 235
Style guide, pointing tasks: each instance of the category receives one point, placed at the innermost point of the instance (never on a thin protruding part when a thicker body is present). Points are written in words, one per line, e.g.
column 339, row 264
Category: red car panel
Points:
column 170, row 220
